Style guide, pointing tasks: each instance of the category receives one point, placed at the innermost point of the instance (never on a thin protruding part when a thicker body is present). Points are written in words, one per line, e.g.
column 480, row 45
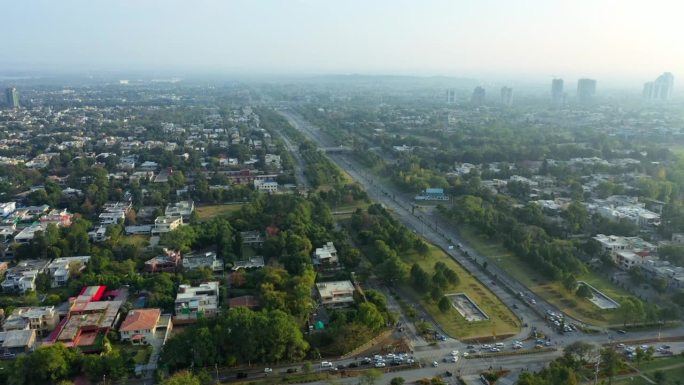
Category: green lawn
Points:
column 205, row 213
column 673, row 367
column 501, row 320
column 551, row 291
column 138, row 240
column 140, row 354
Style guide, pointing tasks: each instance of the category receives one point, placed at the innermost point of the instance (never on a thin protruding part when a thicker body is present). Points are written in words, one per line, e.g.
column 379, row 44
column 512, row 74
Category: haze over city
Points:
column 378, row 192
column 612, row 40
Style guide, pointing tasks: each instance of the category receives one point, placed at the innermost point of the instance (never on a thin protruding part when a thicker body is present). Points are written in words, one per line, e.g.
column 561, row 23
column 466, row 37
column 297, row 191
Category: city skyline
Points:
column 304, row 37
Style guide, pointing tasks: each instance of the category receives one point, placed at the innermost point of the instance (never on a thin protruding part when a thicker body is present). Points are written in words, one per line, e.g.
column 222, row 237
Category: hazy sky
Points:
column 613, row 38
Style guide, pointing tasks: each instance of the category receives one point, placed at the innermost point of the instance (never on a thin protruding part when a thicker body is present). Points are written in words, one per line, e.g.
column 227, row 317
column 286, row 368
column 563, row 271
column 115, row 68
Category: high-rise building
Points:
column 12, row 97
column 557, row 92
column 506, row 96
column 661, row 88
column 451, row 96
column 586, row 90
column 478, row 96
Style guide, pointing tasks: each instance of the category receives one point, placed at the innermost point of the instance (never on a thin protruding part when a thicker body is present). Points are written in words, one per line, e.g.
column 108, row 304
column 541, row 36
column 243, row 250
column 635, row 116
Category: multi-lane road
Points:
column 507, row 288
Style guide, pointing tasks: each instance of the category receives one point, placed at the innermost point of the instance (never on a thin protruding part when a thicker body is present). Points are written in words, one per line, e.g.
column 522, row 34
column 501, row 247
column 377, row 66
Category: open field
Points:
column 551, row 291
column 501, row 320
column 205, row 213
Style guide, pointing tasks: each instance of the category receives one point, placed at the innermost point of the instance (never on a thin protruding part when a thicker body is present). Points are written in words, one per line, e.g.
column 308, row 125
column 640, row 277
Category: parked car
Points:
column 268, row 370
column 380, row 364
column 291, row 370
column 353, row 365
column 435, row 364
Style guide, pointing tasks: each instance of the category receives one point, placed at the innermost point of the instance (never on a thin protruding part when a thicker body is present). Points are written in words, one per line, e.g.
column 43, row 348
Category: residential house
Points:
column 196, row 302
column 166, row 224
column 252, row 263
column 335, row 294
column 88, row 320
column 22, row 277
column 325, row 257
column 15, row 342
column 200, row 260
column 42, row 319
column 141, row 325
column 183, row 209
column 626, row 252
column 266, row 186
column 252, row 238
column 168, row 262
column 60, row 269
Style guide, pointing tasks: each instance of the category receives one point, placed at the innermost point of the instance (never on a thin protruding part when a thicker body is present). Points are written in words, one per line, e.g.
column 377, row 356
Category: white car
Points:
column 379, row 364
column 454, row 359
column 454, row 352
column 465, row 354
column 494, row 350
column 435, row 364
column 268, row 370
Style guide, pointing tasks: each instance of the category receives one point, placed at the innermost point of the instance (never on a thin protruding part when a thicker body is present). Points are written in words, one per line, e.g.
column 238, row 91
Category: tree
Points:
column 569, row 282
column 444, row 304
column 421, row 279
column 659, row 377
column 611, row 362
column 583, row 291
column 369, row 316
column 181, row 378
column 580, row 350
column 393, row 270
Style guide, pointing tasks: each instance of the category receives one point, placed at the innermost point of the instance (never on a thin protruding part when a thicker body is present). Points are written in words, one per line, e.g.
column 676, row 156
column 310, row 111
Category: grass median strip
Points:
column 501, row 321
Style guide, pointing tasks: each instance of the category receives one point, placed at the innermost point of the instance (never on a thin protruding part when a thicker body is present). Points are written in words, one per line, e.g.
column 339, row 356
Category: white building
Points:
column 196, row 302
column 166, row 224
column 60, row 269
column 99, row 234
column 336, row 294
column 265, row 186
column 326, row 257
column 626, row 252
column 182, row 208
column 7, row 208
column 26, row 235
column 22, row 277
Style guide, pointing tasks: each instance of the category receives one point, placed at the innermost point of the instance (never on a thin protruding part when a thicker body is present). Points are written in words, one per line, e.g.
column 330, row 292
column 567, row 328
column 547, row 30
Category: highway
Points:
column 527, row 312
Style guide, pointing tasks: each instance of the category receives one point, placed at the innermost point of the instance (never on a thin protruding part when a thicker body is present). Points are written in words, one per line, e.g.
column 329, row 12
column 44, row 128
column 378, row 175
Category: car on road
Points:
column 291, row 370
column 435, row 364
column 326, row 364
column 340, row 367
column 268, row 370
column 241, row 375
column 448, row 374
column 621, row 331
column 353, row 365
